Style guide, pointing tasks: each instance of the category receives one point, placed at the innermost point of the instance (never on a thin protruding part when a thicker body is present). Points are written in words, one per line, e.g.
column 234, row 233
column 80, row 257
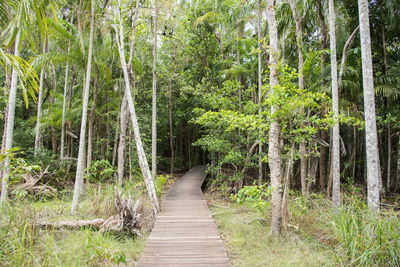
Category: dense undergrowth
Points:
column 23, row 244
column 316, row 235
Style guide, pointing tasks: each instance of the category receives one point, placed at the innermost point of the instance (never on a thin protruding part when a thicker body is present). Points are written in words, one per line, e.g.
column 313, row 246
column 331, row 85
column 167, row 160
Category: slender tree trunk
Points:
column 274, row 132
column 285, row 198
column 171, row 133
column 10, row 126
column 154, row 99
column 139, row 146
column 389, row 130
column 64, row 106
column 324, row 136
column 299, row 42
column 91, row 124
column 342, row 64
column 7, row 84
column 124, row 122
column 82, row 137
column 354, row 152
column 260, row 165
column 39, row 109
column 115, row 146
column 80, row 31
column 51, row 101
column 335, row 161
column 124, row 113
column 371, row 137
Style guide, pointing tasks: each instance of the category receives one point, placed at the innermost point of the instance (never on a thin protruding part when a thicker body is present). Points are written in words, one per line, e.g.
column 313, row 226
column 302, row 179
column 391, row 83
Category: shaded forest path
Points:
column 185, row 233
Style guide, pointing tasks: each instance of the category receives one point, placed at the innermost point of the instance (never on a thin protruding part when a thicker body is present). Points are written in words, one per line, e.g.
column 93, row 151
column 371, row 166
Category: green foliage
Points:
column 254, row 195
column 100, row 171
column 160, row 182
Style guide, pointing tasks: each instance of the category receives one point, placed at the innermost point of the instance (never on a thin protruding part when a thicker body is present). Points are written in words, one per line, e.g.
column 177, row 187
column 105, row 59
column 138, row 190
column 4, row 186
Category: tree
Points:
column 154, row 99
column 299, row 42
column 10, row 124
column 39, row 109
column 82, row 138
column 119, row 30
column 259, row 18
column 274, row 156
column 335, row 161
column 371, row 136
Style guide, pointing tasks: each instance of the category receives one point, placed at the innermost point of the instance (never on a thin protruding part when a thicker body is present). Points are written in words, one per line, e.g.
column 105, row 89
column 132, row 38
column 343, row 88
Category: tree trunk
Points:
column 51, row 101
column 90, row 127
column 260, row 165
column 139, row 146
column 274, row 132
column 124, row 113
column 171, row 133
column 124, row 122
column 154, row 99
column 335, row 161
column 324, row 136
column 82, row 137
column 371, row 137
column 299, row 42
column 10, row 126
column 64, row 107
column 285, row 200
column 39, row 109
column 342, row 64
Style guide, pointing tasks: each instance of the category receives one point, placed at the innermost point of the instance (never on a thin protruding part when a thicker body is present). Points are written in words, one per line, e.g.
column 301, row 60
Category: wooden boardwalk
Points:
column 185, row 233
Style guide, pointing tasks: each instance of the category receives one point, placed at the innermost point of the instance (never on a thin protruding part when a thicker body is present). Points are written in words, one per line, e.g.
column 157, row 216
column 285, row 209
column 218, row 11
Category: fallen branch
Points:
column 125, row 220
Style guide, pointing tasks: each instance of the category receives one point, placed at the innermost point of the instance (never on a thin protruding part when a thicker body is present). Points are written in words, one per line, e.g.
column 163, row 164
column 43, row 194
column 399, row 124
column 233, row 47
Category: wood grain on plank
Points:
column 185, row 233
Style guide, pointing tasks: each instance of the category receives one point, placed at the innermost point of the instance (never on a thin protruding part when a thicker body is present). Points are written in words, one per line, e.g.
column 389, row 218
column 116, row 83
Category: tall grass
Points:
column 23, row 244
column 365, row 238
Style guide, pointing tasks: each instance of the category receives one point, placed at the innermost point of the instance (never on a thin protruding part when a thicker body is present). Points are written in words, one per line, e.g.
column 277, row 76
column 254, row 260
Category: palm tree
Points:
column 335, row 161
column 23, row 15
column 82, row 138
column 371, row 136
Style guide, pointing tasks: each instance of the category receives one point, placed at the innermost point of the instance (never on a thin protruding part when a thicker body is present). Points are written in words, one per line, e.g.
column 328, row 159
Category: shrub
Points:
column 254, row 195
column 100, row 171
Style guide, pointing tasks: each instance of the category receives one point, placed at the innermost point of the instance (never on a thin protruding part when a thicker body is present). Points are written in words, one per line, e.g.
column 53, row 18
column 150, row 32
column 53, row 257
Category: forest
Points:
column 292, row 106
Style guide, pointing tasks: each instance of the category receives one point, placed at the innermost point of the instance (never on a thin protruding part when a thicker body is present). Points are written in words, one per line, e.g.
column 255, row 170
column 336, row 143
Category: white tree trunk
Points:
column 154, row 100
column 10, row 126
column 39, row 110
column 124, row 112
column 274, row 155
column 82, row 137
column 64, row 107
column 124, row 119
column 371, row 138
column 139, row 146
column 335, row 160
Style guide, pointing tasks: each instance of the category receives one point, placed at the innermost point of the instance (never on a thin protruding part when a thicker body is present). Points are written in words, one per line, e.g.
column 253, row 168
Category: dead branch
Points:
column 126, row 219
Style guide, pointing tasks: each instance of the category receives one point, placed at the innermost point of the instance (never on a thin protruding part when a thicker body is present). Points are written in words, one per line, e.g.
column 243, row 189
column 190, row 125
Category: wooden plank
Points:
column 185, row 233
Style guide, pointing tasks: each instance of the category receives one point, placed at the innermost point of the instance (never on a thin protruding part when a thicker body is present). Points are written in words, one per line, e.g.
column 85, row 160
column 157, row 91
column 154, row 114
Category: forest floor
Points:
column 246, row 234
